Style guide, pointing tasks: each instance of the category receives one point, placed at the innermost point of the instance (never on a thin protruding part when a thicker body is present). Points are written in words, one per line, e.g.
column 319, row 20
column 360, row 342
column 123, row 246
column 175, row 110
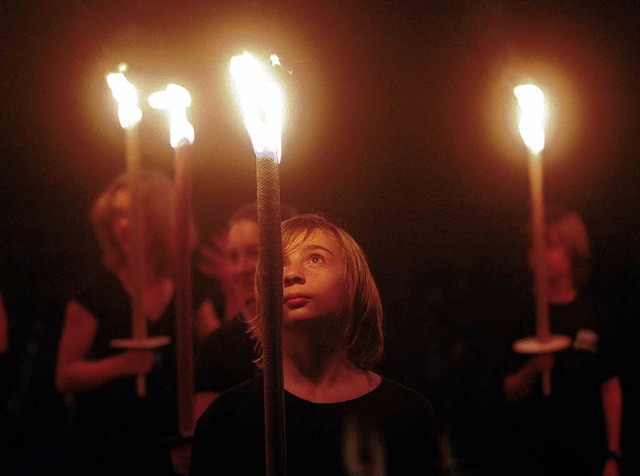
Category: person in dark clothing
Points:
column 226, row 355
column 341, row 418
column 114, row 429
column 576, row 429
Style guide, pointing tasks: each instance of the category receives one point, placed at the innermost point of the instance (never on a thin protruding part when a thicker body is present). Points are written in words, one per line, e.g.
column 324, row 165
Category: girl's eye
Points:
column 316, row 259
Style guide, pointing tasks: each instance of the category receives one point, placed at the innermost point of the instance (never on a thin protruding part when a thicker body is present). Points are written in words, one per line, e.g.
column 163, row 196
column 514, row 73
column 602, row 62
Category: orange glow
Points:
column 126, row 95
column 175, row 100
column 532, row 116
column 261, row 102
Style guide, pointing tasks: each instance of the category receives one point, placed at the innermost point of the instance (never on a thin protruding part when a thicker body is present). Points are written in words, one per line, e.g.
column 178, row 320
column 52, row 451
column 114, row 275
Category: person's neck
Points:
column 150, row 275
column 156, row 291
column 324, row 377
column 247, row 311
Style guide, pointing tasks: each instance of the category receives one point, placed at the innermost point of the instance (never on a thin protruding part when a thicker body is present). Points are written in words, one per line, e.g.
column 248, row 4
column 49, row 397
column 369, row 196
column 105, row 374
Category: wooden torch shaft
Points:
column 539, row 246
column 136, row 263
column 270, row 275
column 184, row 308
column 543, row 329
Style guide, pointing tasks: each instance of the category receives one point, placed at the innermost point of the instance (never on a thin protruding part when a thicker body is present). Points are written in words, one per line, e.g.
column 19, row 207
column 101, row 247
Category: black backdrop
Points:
column 399, row 126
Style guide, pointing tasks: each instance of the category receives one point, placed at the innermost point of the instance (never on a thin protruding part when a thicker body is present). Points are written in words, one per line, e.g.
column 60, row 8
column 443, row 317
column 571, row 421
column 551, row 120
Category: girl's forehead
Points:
column 120, row 198
column 243, row 228
column 316, row 236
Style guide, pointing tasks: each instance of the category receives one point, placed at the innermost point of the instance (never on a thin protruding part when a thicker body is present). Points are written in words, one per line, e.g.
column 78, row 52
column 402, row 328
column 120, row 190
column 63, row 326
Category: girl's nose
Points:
column 291, row 274
column 244, row 263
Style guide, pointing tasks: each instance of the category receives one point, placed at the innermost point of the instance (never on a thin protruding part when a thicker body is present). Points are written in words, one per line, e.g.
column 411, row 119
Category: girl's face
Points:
column 557, row 258
column 314, row 279
column 121, row 224
column 242, row 258
column 121, row 220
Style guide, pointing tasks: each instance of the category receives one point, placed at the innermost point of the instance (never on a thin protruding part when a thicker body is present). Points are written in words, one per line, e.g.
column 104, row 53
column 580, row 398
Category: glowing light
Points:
column 533, row 115
column 175, row 100
column 126, row 95
column 261, row 102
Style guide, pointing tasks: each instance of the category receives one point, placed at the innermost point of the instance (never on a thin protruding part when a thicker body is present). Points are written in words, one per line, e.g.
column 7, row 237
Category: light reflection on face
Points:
column 242, row 258
column 314, row 279
column 556, row 256
column 121, row 220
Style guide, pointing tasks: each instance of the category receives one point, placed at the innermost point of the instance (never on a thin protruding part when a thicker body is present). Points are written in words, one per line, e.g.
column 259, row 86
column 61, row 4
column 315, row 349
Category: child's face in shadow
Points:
column 121, row 220
column 557, row 257
column 314, row 279
column 242, row 258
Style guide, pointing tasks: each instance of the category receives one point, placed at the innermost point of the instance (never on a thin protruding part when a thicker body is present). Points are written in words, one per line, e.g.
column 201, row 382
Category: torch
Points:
column 532, row 107
column 175, row 100
column 129, row 115
column 261, row 102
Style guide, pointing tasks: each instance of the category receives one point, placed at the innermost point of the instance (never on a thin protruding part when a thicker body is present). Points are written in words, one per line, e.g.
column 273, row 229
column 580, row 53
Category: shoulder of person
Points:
column 229, row 329
column 247, row 391
column 401, row 394
column 99, row 286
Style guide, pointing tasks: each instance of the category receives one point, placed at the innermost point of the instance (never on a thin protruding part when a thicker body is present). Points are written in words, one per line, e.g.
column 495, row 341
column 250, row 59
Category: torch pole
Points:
column 270, row 275
column 543, row 330
column 136, row 264
column 184, row 308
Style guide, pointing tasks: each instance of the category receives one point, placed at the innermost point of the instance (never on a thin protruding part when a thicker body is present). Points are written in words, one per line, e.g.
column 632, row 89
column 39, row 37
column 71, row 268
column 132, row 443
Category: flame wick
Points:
column 126, row 95
column 175, row 100
column 260, row 100
column 532, row 116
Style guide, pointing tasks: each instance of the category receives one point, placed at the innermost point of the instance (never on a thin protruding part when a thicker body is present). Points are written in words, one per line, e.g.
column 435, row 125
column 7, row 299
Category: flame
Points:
column 532, row 116
column 275, row 60
column 261, row 103
column 127, row 97
column 175, row 100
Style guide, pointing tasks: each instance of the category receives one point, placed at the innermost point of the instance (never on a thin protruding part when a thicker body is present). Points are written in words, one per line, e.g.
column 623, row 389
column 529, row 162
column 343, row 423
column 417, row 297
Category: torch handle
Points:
column 136, row 261
column 546, row 383
column 270, row 274
column 184, row 315
column 543, row 328
column 141, row 385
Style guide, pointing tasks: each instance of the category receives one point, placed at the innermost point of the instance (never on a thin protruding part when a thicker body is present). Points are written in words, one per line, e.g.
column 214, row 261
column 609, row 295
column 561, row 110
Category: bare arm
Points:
column 75, row 372
column 519, row 384
column 612, row 406
column 213, row 263
column 4, row 328
column 206, row 320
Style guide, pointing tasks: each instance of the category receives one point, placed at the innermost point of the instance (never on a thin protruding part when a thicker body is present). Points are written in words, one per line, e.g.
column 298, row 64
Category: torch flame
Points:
column 127, row 97
column 175, row 100
column 275, row 60
column 261, row 103
column 532, row 116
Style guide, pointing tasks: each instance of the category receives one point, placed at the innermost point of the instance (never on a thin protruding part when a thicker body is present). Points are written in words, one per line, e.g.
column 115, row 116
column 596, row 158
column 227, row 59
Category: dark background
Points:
column 400, row 122
column 400, row 126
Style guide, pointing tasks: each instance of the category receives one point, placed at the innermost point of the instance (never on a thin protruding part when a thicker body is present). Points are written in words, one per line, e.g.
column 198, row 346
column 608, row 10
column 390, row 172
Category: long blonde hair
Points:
column 157, row 197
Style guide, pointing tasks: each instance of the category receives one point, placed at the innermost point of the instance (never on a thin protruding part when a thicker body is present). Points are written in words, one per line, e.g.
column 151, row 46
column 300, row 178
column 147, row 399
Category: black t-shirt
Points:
column 392, row 424
column 570, row 421
column 111, row 426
